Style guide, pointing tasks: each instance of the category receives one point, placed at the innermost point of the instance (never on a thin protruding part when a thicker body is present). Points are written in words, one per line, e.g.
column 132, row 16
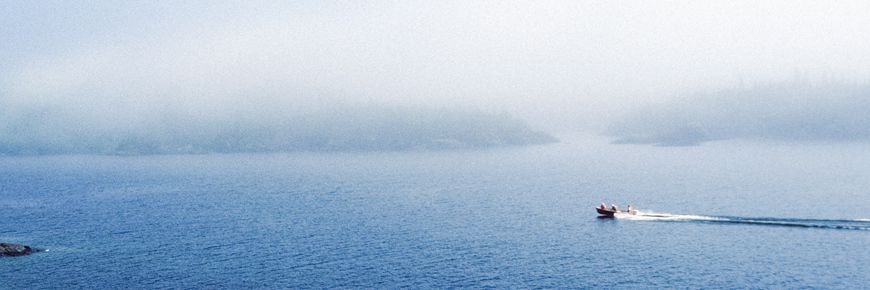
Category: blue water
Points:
column 724, row 215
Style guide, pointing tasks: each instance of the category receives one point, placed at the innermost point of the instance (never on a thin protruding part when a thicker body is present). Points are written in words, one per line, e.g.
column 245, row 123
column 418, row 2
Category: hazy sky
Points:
column 554, row 63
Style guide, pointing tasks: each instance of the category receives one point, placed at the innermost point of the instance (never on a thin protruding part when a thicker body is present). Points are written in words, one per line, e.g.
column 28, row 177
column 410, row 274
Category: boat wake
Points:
column 856, row 224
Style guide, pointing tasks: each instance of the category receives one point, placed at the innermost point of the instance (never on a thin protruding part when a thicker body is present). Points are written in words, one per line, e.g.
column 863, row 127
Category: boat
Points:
column 609, row 212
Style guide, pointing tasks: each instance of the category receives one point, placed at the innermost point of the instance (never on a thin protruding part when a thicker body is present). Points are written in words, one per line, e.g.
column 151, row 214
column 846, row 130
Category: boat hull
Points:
column 606, row 212
column 610, row 213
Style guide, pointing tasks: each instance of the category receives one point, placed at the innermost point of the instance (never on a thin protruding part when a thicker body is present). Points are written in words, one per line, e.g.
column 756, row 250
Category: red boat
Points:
column 610, row 212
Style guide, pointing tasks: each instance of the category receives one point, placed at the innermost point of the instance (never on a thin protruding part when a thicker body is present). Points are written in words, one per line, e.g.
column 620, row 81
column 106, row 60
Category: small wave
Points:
column 856, row 224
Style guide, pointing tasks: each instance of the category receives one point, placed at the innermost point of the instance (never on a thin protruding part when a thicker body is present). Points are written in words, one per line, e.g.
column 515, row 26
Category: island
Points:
column 370, row 127
column 781, row 111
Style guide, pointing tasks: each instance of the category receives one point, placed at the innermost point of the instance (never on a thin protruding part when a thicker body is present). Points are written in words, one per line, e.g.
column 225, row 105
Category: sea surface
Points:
column 723, row 215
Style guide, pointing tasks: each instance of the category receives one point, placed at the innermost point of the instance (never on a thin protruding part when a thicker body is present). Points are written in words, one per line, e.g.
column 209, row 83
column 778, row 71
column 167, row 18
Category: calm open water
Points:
column 724, row 215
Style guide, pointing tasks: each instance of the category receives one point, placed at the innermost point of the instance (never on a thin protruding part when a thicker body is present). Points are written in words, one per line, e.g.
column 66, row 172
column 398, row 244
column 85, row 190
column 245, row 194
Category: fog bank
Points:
column 560, row 66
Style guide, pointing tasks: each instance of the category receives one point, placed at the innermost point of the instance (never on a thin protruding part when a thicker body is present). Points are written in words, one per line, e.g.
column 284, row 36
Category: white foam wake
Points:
column 856, row 224
column 648, row 215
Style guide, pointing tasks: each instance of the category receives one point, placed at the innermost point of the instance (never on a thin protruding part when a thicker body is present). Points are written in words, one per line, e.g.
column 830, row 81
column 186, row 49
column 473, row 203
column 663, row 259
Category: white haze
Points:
column 558, row 64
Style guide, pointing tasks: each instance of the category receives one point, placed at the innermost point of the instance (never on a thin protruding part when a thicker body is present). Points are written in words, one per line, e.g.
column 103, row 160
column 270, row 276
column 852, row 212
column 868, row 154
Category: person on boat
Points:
column 613, row 207
column 629, row 208
column 603, row 206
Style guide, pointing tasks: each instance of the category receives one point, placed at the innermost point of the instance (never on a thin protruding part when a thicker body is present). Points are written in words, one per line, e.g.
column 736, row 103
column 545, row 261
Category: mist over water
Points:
column 405, row 144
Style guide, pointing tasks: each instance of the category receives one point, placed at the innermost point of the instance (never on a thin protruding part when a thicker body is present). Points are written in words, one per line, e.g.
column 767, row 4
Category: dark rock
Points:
column 15, row 250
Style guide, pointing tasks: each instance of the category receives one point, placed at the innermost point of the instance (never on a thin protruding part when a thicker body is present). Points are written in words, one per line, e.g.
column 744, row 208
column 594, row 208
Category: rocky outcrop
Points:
column 15, row 250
